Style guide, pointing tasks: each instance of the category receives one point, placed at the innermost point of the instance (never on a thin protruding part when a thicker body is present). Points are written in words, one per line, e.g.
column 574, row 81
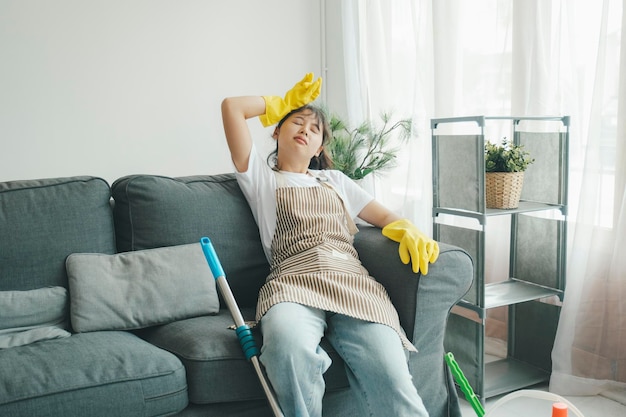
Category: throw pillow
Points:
column 30, row 316
column 133, row 290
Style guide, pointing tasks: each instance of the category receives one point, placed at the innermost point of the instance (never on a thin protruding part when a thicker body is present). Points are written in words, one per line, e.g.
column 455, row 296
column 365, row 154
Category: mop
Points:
column 459, row 377
column 243, row 331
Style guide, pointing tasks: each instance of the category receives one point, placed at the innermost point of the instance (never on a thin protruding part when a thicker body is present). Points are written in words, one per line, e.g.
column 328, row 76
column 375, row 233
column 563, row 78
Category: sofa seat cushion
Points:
column 91, row 374
column 217, row 370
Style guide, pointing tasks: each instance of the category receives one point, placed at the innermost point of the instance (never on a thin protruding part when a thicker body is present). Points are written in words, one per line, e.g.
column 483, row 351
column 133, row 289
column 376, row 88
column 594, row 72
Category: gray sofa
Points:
column 190, row 364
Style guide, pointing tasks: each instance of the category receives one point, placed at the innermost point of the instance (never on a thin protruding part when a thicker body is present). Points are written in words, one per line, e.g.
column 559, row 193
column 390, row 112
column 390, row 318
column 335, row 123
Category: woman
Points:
column 317, row 286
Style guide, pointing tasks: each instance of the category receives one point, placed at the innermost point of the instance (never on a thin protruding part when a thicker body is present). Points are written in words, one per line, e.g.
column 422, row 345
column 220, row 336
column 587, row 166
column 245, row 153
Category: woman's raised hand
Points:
column 304, row 92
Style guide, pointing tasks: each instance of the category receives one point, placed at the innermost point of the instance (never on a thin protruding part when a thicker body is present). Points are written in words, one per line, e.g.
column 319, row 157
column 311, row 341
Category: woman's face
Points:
column 300, row 136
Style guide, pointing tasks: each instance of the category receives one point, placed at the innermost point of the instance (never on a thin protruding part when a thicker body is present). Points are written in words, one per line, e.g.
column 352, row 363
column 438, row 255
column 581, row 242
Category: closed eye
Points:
column 300, row 121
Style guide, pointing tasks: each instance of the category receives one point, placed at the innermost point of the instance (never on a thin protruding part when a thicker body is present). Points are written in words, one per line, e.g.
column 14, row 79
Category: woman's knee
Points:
column 291, row 332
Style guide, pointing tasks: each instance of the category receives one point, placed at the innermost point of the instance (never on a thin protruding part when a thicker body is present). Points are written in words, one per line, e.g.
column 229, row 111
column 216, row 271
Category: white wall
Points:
column 117, row 87
column 335, row 77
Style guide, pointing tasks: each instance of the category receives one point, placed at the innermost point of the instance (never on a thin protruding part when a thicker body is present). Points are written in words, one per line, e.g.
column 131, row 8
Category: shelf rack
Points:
column 535, row 284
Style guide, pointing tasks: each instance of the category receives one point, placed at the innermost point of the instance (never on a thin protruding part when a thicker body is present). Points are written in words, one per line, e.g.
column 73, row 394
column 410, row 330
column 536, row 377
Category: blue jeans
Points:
column 376, row 363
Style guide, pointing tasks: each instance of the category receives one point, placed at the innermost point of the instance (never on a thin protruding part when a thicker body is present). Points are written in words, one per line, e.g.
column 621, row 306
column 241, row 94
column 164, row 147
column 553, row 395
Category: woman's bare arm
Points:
column 235, row 113
column 377, row 214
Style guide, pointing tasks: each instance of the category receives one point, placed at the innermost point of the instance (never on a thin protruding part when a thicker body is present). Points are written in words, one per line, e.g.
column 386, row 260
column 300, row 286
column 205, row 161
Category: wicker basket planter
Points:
column 503, row 189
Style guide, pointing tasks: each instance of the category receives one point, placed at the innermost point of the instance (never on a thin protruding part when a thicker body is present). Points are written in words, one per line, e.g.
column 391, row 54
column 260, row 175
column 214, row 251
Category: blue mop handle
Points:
column 246, row 340
column 211, row 257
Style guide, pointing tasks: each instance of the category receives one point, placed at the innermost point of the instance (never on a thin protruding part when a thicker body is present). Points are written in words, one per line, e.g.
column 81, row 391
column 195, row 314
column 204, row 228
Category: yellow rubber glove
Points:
column 414, row 245
column 304, row 92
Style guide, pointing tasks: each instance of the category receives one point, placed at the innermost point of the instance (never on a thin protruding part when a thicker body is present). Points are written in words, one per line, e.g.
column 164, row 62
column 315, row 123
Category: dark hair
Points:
column 323, row 161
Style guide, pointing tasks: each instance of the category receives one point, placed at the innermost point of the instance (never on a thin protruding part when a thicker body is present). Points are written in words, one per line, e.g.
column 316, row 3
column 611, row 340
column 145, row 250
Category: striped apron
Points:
column 314, row 262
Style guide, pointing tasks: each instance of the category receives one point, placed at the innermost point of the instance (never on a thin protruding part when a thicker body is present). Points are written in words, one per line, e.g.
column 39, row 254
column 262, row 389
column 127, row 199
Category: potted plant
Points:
column 504, row 173
column 368, row 148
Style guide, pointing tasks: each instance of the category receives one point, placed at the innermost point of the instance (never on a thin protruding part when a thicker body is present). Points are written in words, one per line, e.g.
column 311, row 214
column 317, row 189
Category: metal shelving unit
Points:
column 537, row 239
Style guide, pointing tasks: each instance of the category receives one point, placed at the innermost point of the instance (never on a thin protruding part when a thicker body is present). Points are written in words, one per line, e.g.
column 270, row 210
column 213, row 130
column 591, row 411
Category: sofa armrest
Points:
column 452, row 275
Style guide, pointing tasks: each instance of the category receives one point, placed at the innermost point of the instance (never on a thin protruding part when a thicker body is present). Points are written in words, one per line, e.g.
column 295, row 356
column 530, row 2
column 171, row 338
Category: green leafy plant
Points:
column 368, row 148
column 506, row 157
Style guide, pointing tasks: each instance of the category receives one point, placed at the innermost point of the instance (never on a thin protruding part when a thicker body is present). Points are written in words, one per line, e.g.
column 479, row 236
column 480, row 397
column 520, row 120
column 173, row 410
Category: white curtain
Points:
column 444, row 58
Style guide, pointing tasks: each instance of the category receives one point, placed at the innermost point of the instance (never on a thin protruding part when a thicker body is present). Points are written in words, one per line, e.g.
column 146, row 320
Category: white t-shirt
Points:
column 259, row 185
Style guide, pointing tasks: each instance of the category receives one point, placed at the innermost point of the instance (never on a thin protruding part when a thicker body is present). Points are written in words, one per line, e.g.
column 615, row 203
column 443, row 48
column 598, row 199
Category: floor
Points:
column 596, row 406
column 526, row 405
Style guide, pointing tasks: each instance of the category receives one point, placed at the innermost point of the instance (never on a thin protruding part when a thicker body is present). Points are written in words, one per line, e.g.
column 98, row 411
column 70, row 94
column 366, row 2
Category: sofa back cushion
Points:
column 43, row 221
column 155, row 211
